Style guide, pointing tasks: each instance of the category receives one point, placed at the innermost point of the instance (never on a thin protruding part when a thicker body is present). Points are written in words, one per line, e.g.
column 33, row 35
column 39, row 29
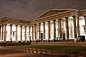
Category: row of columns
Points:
column 85, row 26
column 11, row 31
column 59, row 31
column 2, row 32
column 59, row 27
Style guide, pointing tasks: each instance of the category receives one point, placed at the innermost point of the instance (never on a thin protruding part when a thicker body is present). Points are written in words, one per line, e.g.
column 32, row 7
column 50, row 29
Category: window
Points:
column 13, row 34
column 84, row 29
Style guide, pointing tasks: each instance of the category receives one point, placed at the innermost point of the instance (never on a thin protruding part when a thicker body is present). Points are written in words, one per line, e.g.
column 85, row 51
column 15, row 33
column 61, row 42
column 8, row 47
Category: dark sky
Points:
column 30, row 9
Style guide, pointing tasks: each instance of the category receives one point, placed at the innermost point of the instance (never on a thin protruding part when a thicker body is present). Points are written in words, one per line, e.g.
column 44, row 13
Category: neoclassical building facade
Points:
column 59, row 24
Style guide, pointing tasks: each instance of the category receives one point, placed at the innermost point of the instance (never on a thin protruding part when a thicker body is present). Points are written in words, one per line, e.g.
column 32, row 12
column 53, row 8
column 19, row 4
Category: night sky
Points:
column 30, row 9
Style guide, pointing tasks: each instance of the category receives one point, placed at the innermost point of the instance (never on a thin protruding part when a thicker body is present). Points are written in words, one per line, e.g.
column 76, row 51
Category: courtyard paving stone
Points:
column 7, row 53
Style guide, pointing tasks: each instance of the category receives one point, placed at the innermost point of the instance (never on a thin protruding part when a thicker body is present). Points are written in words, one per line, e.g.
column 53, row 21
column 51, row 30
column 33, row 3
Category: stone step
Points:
column 60, row 43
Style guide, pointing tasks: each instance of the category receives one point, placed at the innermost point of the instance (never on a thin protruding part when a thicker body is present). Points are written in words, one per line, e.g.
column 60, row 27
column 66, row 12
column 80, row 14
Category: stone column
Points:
column 16, row 32
column 35, row 31
column 5, row 33
column 85, row 27
column 60, row 29
column 78, row 26
column 74, row 20
column 25, row 33
column 67, row 28
column 29, row 34
column 54, row 29
column 44, row 30
column 49, row 30
column 71, row 28
column 10, row 30
column 2, row 32
column 32, row 32
column 39, row 31
column 21, row 32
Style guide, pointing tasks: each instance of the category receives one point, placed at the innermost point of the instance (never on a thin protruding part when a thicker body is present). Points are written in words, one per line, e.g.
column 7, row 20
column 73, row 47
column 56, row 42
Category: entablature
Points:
column 13, row 21
column 82, row 12
column 57, row 16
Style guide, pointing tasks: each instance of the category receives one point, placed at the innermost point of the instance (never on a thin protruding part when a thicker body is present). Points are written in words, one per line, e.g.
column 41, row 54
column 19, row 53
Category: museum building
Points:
column 54, row 24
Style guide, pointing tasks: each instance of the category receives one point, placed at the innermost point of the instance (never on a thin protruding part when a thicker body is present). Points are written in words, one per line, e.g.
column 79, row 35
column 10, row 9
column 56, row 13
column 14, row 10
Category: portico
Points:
column 61, row 24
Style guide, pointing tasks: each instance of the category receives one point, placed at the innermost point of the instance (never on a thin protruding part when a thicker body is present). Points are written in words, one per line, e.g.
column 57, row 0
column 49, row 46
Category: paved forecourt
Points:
column 8, row 53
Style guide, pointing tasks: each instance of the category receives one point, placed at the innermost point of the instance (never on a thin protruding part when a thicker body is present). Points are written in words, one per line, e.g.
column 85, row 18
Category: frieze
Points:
column 54, row 17
column 51, row 12
column 82, row 12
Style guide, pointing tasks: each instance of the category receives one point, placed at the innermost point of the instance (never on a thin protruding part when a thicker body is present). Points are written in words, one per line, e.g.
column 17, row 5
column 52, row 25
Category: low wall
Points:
column 60, row 43
column 45, row 51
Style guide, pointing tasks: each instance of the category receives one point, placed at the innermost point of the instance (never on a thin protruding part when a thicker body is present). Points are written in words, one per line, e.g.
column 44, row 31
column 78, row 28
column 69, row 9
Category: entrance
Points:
column 63, row 36
column 41, row 36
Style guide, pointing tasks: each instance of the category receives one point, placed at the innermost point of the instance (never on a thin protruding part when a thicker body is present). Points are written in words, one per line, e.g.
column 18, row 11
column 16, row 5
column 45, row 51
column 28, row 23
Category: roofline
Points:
column 15, row 19
column 62, row 9
column 56, row 9
column 83, row 10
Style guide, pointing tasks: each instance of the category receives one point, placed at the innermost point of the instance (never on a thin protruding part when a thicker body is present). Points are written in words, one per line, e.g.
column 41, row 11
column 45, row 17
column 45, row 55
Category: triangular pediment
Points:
column 53, row 12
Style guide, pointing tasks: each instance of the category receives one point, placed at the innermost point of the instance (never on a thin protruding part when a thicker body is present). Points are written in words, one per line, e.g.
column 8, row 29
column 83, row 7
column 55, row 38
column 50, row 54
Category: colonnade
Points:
column 75, row 32
column 59, row 28
column 3, row 30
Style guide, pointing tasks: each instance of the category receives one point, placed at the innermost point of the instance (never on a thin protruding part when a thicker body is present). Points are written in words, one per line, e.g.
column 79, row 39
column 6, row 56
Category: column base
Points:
column 68, row 39
column 75, row 39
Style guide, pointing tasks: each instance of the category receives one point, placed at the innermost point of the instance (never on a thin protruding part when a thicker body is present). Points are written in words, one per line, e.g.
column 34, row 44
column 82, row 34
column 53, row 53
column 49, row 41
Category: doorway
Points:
column 63, row 36
column 41, row 36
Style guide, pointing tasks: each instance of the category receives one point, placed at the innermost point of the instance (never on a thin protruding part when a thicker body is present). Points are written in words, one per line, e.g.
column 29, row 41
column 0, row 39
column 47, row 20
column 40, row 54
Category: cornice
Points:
column 82, row 12
column 57, row 16
column 52, row 12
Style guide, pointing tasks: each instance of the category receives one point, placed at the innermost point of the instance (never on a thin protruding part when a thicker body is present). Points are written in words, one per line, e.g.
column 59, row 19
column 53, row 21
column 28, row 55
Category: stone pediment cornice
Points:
column 82, row 12
column 52, row 12
column 57, row 16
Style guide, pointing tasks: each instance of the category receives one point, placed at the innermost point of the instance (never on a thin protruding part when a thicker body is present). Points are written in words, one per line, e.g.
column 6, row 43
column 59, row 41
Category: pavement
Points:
column 8, row 53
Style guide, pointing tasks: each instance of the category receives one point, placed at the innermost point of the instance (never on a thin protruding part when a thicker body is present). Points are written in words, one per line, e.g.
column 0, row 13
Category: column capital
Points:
column 39, row 23
column 11, row 24
column 43, row 22
column 74, row 16
column 35, row 24
column 84, row 16
column 5, row 24
column 66, row 18
column 59, row 19
column 32, row 26
column 25, row 26
column 54, row 20
column 48, row 21
column 16, row 25
column 20, row 25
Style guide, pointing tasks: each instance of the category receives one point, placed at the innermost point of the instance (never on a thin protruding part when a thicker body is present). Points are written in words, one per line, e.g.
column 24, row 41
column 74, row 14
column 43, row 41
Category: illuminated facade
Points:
column 59, row 24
